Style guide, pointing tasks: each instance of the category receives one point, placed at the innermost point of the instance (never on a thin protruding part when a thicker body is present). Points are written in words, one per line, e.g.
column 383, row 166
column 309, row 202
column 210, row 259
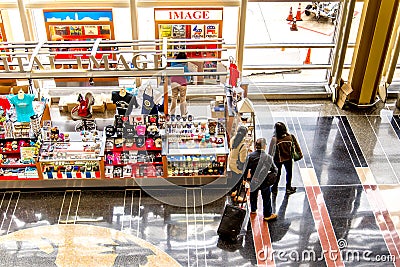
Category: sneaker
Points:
column 290, row 190
column 270, row 218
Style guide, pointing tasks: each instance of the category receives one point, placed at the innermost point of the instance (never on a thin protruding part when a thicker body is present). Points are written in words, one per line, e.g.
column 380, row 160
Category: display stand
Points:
column 78, row 25
column 240, row 111
column 247, row 117
column 196, row 149
column 81, row 163
column 202, row 24
column 15, row 164
column 134, row 150
column 77, row 158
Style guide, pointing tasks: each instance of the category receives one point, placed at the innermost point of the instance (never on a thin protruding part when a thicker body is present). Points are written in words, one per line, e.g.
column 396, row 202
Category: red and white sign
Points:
column 211, row 31
column 188, row 14
column 197, row 31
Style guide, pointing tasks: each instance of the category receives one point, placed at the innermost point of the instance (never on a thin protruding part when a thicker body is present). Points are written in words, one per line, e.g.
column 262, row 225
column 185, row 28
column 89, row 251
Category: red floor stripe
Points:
column 328, row 225
column 261, row 237
column 385, row 224
column 324, row 226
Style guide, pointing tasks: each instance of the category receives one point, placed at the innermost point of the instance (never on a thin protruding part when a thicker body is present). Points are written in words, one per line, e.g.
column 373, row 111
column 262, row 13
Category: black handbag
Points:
column 271, row 178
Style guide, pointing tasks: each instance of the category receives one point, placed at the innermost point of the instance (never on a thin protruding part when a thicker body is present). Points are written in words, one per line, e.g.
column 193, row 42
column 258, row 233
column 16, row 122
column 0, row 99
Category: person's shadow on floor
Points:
column 279, row 227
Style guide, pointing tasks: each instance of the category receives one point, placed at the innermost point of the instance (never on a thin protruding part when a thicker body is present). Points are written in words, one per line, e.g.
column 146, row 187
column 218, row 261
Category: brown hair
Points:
column 260, row 143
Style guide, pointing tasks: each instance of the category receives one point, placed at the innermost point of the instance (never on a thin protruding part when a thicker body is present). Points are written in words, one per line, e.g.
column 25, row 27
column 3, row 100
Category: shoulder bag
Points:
column 239, row 164
column 295, row 154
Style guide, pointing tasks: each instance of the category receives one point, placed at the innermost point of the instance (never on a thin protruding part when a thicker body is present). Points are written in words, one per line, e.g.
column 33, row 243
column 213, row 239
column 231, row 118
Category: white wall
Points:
column 146, row 24
column 230, row 24
column 38, row 24
column 13, row 25
column 122, row 24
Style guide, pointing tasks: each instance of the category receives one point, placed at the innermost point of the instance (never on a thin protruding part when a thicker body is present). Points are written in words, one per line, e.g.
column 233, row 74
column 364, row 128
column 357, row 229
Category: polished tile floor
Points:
column 344, row 213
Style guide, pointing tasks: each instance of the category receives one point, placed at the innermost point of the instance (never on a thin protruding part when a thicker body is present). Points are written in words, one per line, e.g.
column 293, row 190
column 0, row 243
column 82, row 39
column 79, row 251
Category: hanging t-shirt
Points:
column 4, row 103
column 23, row 107
column 122, row 102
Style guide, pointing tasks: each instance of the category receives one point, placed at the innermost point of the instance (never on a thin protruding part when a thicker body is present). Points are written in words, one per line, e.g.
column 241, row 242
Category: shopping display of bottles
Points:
column 196, row 165
column 195, row 147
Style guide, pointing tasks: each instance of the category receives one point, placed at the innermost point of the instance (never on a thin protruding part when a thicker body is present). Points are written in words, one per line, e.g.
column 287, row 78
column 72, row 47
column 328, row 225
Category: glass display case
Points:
column 195, row 148
column 133, row 147
column 75, row 155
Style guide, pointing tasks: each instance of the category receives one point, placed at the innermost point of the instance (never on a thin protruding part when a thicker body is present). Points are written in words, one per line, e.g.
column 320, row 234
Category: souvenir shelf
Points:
column 196, row 148
column 78, row 25
column 81, row 157
column 240, row 111
column 247, row 118
column 182, row 24
column 17, row 159
column 134, row 150
column 124, row 159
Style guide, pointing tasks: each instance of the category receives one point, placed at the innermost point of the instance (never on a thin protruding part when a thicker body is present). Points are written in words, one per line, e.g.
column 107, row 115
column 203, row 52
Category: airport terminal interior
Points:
column 122, row 184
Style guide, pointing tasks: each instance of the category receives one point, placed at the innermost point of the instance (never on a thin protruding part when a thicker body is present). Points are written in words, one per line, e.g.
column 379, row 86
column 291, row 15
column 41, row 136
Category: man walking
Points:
column 254, row 163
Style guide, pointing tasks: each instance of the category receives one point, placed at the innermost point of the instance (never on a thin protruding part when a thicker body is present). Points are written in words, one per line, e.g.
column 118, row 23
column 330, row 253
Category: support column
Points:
column 394, row 50
column 343, row 40
column 134, row 19
column 24, row 19
column 241, row 33
column 373, row 40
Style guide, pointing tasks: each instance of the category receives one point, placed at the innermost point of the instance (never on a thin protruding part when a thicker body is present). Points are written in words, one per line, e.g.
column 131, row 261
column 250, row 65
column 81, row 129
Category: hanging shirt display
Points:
column 148, row 102
column 23, row 106
column 4, row 103
column 122, row 102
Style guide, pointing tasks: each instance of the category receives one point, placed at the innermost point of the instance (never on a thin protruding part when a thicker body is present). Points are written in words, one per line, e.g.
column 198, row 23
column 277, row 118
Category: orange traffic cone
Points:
column 298, row 14
column 308, row 57
column 294, row 25
column 290, row 17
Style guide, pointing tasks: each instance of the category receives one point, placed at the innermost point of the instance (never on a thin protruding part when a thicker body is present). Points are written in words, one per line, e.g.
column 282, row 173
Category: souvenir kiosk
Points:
column 138, row 147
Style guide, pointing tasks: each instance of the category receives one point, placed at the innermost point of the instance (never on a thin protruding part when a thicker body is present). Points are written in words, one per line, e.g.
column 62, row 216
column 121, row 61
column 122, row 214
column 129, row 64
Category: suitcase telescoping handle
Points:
column 240, row 199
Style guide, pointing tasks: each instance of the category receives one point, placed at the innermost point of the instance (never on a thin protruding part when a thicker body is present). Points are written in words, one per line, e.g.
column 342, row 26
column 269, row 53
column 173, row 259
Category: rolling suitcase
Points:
column 232, row 219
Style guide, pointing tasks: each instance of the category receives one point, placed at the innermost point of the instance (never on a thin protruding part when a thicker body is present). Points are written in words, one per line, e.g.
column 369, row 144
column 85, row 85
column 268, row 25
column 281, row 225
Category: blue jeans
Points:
column 266, row 197
column 289, row 172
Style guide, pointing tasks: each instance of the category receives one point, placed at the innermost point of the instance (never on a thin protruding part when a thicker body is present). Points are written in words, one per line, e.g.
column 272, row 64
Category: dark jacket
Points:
column 252, row 164
column 281, row 148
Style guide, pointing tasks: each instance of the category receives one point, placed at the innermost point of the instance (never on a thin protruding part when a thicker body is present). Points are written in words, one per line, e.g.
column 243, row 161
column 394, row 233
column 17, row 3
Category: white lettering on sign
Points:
column 188, row 14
